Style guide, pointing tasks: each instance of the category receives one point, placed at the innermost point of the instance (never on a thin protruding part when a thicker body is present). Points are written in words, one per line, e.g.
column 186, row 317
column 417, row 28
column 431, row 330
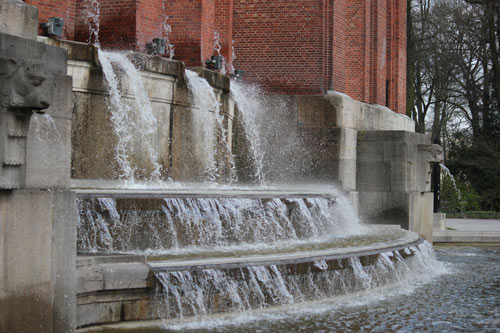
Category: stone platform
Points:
column 468, row 231
column 119, row 288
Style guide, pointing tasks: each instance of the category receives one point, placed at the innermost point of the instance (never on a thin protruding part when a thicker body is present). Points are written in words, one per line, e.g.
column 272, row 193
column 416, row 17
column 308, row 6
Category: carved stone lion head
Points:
column 25, row 85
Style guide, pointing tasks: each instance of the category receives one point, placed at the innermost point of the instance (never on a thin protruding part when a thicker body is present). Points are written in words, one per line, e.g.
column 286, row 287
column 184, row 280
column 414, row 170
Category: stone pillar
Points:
column 37, row 209
column 393, row 179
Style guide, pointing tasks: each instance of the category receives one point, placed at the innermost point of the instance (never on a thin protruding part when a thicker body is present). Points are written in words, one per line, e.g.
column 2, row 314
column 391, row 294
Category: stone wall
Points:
column 93, row 137
column 37, row 209
column 373, row 153
column 354, row 47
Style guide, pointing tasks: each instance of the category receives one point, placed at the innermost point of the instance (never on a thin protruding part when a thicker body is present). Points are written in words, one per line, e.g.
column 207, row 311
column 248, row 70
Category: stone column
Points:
column 37, row 209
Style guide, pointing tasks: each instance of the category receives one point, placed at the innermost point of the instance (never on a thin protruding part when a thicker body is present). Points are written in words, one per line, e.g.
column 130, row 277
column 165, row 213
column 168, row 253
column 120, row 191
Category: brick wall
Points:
column 280, row 44
column 378, row 48
column 357, row 47
column 192, row 29
column 117, row 23
column 65, row 9
column 396, row 55
column 357, row 41
column 149, row 22
column 339, row 45
column 224, row 26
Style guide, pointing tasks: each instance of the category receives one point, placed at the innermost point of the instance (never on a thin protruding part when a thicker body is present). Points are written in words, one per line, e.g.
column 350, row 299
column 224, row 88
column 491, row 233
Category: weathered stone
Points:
column 26, row 83
column 215, row 79
column 393, row 177
column 19, row 19
column 48, row 156
column 38, row 256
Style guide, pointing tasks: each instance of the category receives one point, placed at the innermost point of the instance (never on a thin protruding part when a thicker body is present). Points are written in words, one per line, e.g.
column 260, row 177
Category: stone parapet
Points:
column 19, row 19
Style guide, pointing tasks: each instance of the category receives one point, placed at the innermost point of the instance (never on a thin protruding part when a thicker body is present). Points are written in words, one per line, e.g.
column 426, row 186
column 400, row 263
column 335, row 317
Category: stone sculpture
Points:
column 25, row 86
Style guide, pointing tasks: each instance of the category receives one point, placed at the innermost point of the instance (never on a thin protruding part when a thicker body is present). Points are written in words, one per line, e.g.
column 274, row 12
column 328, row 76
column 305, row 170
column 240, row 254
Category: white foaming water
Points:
column 453, row 182
column 233, row 56
column 206, row 118
column 134, row 126
column 250, row 293
column 217, row 49
column 46, row 134
column 167, row 29
column 92, row 12
column 190, row 225
column 250, row 108
column 45, row 129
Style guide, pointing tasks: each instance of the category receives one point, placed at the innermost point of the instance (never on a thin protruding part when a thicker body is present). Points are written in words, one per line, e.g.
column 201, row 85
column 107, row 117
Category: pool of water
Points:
column 466, row 297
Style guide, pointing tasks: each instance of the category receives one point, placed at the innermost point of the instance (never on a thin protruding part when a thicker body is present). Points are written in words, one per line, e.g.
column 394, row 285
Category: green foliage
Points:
column 474, row 215
column 459, row 199
column 475, row 164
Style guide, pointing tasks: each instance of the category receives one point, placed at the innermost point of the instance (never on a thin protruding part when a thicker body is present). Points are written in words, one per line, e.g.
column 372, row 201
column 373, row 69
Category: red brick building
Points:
column 357, row 47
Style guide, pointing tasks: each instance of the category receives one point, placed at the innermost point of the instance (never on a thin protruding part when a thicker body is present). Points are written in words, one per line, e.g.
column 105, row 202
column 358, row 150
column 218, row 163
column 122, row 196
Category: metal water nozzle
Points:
column 216, row 62
column 54, row 26
column 157, row 46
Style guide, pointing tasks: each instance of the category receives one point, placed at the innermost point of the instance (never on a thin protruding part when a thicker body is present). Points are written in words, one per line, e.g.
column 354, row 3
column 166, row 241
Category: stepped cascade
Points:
column 162, row 192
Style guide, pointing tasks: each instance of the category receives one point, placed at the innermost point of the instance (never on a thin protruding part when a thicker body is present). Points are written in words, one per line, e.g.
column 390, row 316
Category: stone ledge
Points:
column 215, row 79
column 78, row 51
column 451, row 236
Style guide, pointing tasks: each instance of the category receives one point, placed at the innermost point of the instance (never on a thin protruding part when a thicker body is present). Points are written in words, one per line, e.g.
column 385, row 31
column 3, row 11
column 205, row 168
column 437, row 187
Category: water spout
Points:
column 206, row 121
column 92, row 12
column 133, row 121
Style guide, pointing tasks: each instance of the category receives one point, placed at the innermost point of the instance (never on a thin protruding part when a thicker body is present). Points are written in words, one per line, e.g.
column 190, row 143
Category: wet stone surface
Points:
column 465, row 298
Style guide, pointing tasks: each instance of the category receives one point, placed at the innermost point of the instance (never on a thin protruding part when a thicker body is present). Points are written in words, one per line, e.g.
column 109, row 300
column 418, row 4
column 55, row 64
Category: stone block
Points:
column 19, row 19
column 215, row 79
column 90, row 279
column 384, row 207
column 315, row 111
column 348, row 143
column 28, row 76
column 347, row 174
column 373, row 176
column 439, row 221
column 48, row 155
column 421, row 214
column 38, row 256
column 82, row 52
column 125, row 276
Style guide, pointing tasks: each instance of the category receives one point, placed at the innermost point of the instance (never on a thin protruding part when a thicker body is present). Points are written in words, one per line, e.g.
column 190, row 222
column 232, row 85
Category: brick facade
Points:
column 357, row 47
column 65, row 9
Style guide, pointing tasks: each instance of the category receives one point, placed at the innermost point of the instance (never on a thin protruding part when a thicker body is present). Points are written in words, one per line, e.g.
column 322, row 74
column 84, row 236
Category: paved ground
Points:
column 468, row 231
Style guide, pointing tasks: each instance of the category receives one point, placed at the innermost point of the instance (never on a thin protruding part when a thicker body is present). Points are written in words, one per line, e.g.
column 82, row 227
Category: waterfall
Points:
column 45, row 129
column 166, row 30
column 92, row 12
column 206, row 120
column 133, row 121
column 206, row 291
column 447, row 172
column 194, row 225
column 250, row 108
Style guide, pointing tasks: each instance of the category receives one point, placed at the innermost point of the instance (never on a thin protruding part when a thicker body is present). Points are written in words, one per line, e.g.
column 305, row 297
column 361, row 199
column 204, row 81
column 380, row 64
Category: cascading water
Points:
column 206, row 291
column 92, row 13
column 206, row 121
column 250, row 107
column 46, row 135
column 447, row 172
column 133, row 121
column 45, row 129
column 223, row 250
column 195, row 225
column 275, row 146
column 166, row 30
column 231, row 68
column 217, row 49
